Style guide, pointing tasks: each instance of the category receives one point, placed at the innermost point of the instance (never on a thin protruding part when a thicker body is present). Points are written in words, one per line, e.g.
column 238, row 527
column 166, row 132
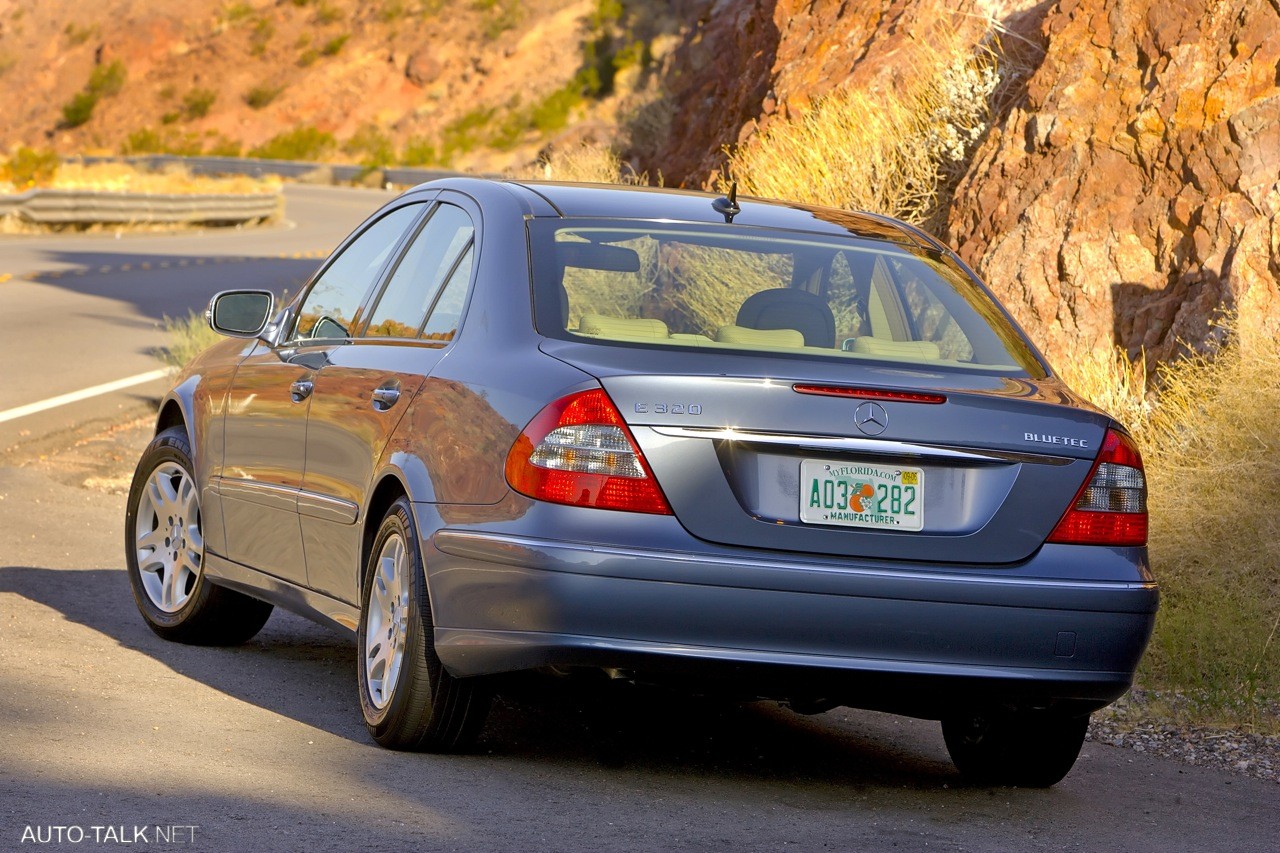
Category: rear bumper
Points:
column 914, row 641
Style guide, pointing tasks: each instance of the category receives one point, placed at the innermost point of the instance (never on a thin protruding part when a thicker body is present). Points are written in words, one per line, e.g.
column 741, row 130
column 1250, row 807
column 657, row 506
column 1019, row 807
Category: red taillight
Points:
column 579, row 451
column 1111, row 507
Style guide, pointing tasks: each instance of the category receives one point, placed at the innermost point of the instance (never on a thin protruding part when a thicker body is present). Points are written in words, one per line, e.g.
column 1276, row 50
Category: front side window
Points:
column 331, row 308
column 736, row 288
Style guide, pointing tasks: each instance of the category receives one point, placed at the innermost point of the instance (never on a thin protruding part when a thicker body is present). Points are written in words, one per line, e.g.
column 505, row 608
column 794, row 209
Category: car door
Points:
column 364, row 389
column 269, row 399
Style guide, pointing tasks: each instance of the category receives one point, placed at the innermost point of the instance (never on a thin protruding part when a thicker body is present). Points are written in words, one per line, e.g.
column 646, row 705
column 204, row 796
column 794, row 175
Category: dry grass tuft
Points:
column 189, row 336
column 1211, row 443
column 896, row 152
column 584, row 163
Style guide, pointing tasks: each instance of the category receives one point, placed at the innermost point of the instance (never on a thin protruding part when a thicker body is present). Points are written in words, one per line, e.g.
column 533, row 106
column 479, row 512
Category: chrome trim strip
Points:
column 327, row 508
column 256, row 492
column 872, row 446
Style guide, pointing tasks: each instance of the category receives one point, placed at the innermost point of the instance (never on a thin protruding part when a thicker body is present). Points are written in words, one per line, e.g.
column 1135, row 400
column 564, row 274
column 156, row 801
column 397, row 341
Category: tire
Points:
column 164, row 554
column 1030, row 749
column 408, row 700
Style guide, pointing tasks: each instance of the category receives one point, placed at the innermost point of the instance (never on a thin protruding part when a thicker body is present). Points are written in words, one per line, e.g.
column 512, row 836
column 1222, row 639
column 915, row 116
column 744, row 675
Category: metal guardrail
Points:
column 65, row 207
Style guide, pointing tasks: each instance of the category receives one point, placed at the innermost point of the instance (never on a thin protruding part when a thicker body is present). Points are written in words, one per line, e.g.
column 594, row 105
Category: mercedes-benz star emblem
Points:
column 871, row 418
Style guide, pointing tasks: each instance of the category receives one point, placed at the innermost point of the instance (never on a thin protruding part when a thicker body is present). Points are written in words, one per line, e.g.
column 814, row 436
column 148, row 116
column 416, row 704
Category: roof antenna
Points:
column 728, row 207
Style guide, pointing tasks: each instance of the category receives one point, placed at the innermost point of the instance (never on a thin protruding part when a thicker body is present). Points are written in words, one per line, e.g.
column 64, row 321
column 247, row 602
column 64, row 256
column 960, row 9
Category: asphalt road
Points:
column 109, row 734
column 79, row 311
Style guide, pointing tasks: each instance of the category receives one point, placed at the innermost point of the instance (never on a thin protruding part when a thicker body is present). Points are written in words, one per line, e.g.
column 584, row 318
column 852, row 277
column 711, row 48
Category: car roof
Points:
column 613, row 201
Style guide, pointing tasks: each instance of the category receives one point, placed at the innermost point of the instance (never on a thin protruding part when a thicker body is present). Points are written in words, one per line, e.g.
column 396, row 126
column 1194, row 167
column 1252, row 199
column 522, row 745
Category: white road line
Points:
column 83, row 394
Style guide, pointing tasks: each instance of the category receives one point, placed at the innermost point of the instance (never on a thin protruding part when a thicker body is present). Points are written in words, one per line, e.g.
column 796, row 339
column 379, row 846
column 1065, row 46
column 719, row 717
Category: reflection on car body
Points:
column 781, row 453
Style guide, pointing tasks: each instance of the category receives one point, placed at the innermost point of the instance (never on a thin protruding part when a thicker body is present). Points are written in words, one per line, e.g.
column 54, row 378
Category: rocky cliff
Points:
column 1136, row 187
column 1128, row 186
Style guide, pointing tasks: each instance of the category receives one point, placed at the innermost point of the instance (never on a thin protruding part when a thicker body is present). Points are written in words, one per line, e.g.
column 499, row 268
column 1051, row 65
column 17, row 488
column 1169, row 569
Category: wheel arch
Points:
column 388, row 490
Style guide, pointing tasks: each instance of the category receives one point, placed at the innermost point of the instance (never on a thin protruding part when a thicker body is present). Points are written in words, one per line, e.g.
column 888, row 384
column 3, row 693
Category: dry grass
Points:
column 597, row 164
column 1211, row 444
column 189, row 336
column 122, row 177
column 895, row 152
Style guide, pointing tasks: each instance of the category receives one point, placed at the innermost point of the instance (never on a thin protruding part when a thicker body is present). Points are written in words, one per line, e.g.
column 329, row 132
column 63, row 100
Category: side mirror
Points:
column 240, row 313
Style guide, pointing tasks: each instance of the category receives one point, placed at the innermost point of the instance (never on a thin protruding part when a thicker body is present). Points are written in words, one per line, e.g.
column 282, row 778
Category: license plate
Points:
column 884, row 497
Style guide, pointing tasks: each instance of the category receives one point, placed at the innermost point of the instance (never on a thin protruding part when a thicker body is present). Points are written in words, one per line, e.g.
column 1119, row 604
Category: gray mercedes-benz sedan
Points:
column 753, row 448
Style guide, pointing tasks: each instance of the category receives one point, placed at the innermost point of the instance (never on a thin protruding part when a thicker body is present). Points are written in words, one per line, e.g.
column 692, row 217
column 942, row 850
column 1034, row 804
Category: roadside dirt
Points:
column 99, row 456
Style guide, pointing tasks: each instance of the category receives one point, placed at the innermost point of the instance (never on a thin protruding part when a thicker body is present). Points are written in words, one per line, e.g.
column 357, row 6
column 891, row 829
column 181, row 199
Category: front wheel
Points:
column 408, row 700
column 164, row 554
column 1028, row 749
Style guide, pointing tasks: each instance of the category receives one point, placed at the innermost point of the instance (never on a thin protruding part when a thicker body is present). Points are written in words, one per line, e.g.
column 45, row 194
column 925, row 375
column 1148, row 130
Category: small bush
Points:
column 420, row 152
column 263, row 30
column 104, row 81
column 373, row 144
column 308, row 57
column 79, row 109
column 188, row 337
column 262, row 95
column 30, row 167
column 196, row 103
column 334, row 45
column 80, row 35
column 143, row 141
column 107, row 80
column 236, row 12
column 301, row 143
column 327, row 13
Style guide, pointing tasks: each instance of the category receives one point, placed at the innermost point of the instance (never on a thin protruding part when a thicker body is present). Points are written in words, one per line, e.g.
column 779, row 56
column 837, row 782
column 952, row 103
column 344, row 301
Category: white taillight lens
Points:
column 1111, row 508
column 579, row 451
column 588, row 449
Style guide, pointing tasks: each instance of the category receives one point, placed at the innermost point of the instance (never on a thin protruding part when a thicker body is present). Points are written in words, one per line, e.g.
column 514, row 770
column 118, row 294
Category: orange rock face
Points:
column 1136, row 187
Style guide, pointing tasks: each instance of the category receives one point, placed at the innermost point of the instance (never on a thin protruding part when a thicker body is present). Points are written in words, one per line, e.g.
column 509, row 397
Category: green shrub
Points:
column 334, row 45
column 327, row 13
column 263, row 30
column 196, row 103
column 79, row 109
column 262, row 95
column 301, row 143
column 308, row 57
column 373, row 144
column 107, row 80
column 419, row 152
column 236, row 12
column 30, row 167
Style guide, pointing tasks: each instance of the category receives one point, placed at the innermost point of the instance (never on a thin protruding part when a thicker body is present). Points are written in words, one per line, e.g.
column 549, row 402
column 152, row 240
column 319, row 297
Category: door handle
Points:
column 385, row 398
column 301, row 390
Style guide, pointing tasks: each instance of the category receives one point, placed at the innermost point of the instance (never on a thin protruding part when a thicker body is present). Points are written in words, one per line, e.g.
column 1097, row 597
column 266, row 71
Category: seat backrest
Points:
column 788, row 308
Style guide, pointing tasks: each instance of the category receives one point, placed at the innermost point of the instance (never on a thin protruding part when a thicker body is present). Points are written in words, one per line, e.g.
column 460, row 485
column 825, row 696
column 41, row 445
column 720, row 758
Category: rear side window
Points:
column 733, row 288
column 425, row 274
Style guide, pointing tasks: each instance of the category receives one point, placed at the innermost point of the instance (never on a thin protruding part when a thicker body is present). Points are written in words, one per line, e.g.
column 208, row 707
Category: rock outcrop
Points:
column 1136, row 187
column 1129, row 189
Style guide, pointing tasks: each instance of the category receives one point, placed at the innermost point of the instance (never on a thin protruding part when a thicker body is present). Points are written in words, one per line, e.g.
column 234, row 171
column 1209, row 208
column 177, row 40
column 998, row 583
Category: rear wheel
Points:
column 408, row 700
column 164, row 554
column 1029, row 749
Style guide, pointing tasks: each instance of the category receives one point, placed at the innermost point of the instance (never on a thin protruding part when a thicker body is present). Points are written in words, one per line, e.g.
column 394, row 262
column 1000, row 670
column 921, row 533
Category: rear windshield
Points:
column 731, row 288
